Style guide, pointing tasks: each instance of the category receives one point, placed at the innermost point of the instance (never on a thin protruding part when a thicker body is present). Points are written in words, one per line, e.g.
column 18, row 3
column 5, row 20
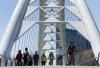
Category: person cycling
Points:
column 70, row 53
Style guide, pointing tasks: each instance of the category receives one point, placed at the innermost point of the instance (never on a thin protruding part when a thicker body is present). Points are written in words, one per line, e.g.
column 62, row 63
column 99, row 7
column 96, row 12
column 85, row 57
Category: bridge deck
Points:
column 51, row 67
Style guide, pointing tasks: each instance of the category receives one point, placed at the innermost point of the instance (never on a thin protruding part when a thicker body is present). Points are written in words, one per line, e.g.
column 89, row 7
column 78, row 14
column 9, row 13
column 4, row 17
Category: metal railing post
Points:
column 0, row 61
column 98, row 59
column 5, row 59
column 11, row 62
column 6, row 62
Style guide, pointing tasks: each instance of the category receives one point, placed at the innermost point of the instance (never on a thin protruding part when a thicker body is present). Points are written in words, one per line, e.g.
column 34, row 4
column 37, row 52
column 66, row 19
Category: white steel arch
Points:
column 86, row 26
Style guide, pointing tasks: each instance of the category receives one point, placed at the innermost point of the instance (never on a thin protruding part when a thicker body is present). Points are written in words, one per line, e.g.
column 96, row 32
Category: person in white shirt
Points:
column 59, row 53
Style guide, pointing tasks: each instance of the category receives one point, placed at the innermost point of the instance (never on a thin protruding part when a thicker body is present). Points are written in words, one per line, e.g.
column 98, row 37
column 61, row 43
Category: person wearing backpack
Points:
column 51, row 58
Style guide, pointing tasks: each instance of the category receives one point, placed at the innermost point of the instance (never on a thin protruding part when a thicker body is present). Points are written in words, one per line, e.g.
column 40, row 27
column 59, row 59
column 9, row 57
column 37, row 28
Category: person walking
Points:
column 26, row 56
column 60, row 54
column 19, row 58
column 51, row 58
column 35, row 58
column 30, row 62
column 43, row 59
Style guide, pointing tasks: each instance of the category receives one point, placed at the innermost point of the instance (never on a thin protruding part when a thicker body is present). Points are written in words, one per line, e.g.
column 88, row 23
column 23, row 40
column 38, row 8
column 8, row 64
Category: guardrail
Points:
column 6, row 61
column 90, row 62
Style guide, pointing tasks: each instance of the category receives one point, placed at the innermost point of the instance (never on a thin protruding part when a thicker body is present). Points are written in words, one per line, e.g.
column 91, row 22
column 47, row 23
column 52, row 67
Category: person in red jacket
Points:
column 19, row 58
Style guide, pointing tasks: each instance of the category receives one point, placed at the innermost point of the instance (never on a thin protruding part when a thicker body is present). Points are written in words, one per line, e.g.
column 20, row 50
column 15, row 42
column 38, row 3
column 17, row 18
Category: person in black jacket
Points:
column 30, row 62
column 35, row 58
column 26, row 56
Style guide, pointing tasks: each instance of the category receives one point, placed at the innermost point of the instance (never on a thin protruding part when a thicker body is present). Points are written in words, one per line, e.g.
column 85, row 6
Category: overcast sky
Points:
column 7, row 7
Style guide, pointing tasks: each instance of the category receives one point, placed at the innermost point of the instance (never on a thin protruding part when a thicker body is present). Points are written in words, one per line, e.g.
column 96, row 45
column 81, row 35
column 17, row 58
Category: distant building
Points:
column 80, row 42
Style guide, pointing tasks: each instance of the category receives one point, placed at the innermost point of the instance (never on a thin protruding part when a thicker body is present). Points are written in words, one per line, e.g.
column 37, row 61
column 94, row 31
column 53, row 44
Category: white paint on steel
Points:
column 80, row 28
column 73, row 10
column 26, row 25
column 90, row 26
column 73, row 1
column 52, row 5
column 30, row 10
column 45, row 10
column 87, row 28
column 12, row 28
column 51, row 19
column 31, row 1
column 61, row 8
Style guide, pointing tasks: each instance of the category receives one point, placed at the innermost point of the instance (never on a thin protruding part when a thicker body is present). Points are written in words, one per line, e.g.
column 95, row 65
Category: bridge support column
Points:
column 12, row 29
column 41, row 31
column 62, row 30
column 90, row 26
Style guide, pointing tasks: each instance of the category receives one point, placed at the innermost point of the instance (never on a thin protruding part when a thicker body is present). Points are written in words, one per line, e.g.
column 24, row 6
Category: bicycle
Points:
column 71, row 58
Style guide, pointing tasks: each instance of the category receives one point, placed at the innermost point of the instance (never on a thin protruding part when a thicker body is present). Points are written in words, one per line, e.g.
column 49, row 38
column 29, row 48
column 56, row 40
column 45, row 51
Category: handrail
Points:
column 87, row 61
column 6, row 60
column 91, row 60
column 6, row 57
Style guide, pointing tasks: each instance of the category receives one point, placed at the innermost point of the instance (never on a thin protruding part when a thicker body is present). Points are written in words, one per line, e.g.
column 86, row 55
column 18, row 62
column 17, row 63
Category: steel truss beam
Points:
column 86, row 26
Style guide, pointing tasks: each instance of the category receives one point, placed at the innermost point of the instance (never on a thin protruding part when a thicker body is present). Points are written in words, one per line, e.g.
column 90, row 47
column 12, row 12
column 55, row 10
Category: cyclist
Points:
column 70, row 53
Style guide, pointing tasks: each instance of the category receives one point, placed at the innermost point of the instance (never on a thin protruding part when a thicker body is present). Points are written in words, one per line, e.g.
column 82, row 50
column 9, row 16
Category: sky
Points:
column 7, row 7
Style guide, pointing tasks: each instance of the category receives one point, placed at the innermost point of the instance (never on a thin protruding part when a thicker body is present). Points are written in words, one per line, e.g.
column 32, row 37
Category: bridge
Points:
column 45, row 25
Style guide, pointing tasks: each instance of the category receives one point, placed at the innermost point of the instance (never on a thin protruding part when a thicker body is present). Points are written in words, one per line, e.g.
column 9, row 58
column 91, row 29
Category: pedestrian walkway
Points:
column 52, row 67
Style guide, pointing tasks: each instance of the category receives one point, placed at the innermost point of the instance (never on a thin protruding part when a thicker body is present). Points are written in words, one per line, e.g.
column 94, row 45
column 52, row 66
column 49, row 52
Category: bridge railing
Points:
column 6, row 61
column 90, row 62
